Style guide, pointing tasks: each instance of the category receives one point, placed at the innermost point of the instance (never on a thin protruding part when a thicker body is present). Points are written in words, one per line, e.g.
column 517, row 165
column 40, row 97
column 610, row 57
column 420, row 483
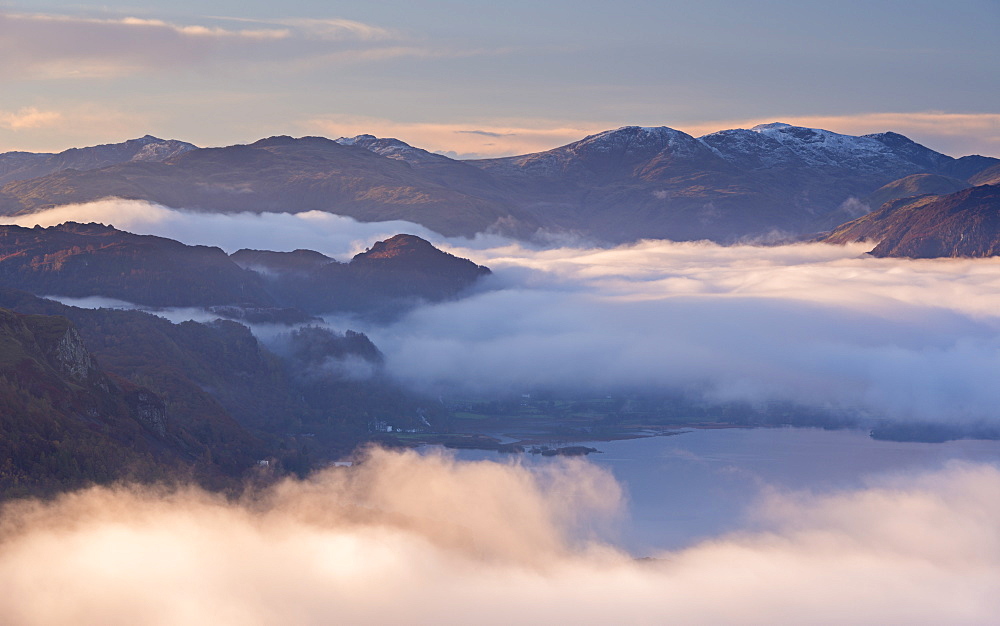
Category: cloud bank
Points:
column 404, row 538
column 823, row 326
column 334, row 235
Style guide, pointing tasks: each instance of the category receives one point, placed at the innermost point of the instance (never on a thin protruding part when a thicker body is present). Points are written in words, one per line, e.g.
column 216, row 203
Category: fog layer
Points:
column 820, row 325
column 403, row 538
column 330, row 234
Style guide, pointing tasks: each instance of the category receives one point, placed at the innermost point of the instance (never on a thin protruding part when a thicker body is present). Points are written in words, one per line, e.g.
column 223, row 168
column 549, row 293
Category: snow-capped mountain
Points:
column 611, row 151
column 771, row 181
column 393, row 149
column 779, row 145
column 784, row 145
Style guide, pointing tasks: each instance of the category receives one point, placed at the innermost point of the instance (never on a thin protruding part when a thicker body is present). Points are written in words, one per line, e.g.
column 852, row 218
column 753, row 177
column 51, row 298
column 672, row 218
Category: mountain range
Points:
column 768, row 182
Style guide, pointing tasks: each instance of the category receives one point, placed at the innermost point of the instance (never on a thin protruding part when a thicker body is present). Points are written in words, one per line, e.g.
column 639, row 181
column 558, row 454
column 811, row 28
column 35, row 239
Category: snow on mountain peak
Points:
column 629, row 139
column 391, row 148
column 773, row 125
column 817, row 147
column 155, row 149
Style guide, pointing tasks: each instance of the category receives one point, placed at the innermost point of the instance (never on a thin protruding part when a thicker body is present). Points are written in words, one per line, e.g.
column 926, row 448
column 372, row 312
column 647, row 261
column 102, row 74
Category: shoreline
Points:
column 546, row 443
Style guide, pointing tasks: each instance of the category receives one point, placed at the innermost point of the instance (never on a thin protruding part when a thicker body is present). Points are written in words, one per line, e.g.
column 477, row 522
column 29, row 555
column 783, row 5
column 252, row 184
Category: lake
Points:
column 701, row 483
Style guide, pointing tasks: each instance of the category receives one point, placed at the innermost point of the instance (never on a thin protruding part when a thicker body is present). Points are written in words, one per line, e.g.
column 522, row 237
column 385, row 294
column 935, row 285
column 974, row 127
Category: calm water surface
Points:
column 701, row 483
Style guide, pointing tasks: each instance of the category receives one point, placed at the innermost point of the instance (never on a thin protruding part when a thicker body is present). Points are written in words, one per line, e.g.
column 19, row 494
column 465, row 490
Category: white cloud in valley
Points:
column 824, row 326
column 404, row 538
column 330, row 234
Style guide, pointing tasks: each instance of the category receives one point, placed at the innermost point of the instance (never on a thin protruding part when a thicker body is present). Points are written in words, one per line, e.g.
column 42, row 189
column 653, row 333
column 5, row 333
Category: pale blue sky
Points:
column 533, row 74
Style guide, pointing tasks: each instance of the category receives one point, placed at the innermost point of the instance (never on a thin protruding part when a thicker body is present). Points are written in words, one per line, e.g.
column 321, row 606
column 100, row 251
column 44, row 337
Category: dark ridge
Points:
column 80, row 260
column 280, row 261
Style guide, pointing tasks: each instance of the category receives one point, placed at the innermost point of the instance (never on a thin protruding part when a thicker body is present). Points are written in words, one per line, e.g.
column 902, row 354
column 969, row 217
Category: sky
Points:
column 487, row 79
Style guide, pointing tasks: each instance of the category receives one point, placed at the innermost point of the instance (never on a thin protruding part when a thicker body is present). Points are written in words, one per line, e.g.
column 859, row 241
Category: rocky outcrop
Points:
column 72, row 358
column 80, row 260
column 148, row 409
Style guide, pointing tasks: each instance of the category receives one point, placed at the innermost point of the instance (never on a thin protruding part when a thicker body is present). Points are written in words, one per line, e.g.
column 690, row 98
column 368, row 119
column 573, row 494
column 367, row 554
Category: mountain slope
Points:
column 962, row 224
column 915, row 185
column 65, row 422
column 221, row 400
column 988, row 176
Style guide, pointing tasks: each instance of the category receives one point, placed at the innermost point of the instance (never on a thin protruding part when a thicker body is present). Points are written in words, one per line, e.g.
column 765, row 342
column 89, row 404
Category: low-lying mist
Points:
column 405, row 538
column 330, row 234
column 817, row 325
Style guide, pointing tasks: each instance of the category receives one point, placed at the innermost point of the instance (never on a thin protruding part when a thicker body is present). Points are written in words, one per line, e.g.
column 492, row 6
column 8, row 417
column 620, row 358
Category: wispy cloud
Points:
column 478, row 139
column 51, row 46
column 333, row 235
column 327, row 28
column 193, row 30
column 338, row 28
column 486, row 133
column 56, row 129
column 28, row 118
